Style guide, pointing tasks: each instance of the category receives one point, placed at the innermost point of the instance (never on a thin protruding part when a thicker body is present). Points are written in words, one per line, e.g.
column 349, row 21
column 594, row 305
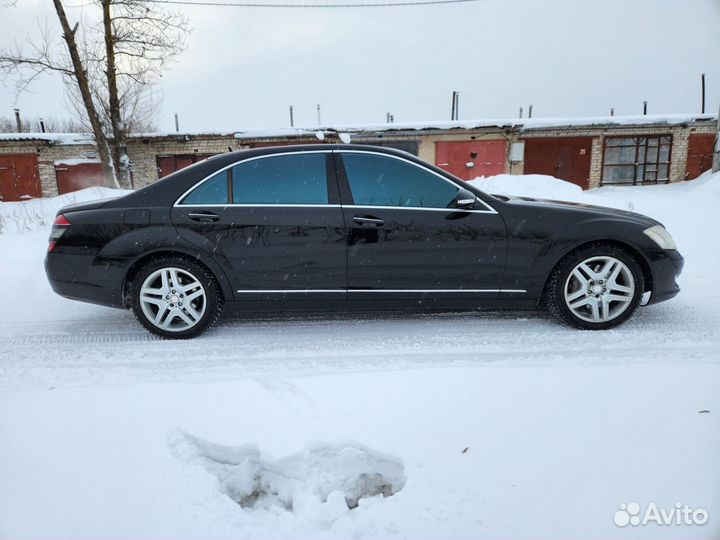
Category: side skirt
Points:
column 319, row 306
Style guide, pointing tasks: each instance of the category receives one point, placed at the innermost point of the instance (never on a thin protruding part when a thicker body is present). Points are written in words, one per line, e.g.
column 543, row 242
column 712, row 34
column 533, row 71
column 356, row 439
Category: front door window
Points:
column 387, row 181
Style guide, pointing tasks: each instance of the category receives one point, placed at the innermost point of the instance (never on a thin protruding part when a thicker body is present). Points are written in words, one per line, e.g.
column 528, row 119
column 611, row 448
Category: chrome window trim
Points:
column 283, row 291
column 263, row 205
column 264, row 156
column 422, row 208
column 490, row 209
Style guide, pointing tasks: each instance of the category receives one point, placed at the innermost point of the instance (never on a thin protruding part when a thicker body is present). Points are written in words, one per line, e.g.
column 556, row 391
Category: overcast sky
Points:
column 244, row 66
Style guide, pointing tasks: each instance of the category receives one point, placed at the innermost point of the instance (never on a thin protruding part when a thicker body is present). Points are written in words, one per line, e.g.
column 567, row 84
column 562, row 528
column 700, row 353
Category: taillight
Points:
column 61, row 220
column 59, row 227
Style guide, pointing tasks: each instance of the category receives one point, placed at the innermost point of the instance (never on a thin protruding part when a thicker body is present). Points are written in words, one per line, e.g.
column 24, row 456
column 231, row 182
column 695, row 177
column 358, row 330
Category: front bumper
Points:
column 665, row 267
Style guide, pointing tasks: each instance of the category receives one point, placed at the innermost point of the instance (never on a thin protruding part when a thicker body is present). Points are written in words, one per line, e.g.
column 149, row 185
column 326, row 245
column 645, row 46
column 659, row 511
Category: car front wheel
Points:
column 175, row 298
column 596, row 288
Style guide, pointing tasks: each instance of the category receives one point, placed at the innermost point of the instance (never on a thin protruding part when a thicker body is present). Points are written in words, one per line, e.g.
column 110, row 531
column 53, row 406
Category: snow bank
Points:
column 37, row 215
column 335, row 476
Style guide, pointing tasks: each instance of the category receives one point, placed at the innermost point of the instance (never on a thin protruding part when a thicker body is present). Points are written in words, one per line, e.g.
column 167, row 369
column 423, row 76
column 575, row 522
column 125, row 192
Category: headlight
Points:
column 661, row 237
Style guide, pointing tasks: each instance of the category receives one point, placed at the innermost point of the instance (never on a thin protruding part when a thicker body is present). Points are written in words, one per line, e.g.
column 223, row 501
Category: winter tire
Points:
column 595, row 288
column 175, row 298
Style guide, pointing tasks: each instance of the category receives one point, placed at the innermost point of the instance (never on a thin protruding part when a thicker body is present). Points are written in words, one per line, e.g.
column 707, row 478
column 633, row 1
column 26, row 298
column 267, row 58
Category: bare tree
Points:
column 110, row 65
column 140, row 38
column 51, row 124
column 7, row 125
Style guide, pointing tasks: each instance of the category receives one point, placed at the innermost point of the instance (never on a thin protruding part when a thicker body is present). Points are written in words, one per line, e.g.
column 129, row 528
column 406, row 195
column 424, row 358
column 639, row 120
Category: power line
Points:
column 271, row 5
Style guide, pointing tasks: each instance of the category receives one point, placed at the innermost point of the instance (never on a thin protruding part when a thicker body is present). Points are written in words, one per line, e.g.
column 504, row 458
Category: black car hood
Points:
column 598, row 211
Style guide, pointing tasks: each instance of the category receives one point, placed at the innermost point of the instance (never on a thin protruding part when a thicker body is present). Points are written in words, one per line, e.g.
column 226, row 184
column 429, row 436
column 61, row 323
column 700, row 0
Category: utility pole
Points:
column 702, row 83
column 455, row 106
column 177, row 123
column 292, row 121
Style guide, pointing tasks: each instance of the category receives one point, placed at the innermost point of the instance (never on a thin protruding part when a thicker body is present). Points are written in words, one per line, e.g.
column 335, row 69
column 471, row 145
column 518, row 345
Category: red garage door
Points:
column 19, row 179
column 169, row 164
column 75, row 175
column 567, row 158
column 470, row 159
column 700, row 154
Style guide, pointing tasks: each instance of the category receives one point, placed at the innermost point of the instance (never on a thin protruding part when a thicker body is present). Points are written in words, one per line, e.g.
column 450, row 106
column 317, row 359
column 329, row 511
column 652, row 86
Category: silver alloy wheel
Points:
column 599, row 289
column 173, row 299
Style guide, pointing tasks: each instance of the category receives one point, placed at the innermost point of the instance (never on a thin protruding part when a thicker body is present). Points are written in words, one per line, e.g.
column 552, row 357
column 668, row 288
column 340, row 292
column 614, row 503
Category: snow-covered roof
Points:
column 52, row 138
column 523, row 124
column 504, row 123
column 77, row 161
column 181, row 134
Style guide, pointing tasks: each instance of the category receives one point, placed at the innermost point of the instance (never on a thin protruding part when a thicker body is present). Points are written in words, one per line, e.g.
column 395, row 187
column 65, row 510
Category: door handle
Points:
column 205, row 217
column 360, row 220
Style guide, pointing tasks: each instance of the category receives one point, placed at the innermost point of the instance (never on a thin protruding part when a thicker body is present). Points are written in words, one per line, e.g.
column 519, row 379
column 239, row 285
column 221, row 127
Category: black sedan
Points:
column 340, row 227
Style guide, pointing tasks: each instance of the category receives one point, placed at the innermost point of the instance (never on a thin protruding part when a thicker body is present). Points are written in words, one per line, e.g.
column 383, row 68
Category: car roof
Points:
column 249, row 152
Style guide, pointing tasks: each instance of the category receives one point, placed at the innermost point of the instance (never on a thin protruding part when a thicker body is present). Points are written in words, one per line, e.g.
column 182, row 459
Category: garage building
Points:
column 589, row 152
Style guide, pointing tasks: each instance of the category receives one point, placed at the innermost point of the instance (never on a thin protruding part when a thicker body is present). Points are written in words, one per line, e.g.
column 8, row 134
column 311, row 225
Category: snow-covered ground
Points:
column 478, row 425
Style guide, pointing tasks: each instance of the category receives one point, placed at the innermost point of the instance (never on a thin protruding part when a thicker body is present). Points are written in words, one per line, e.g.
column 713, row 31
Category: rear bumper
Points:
column 665, row 267
column 82, row 277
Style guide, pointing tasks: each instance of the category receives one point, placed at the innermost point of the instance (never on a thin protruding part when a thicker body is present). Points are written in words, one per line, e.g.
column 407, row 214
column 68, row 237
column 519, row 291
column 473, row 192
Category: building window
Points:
column 637, row 160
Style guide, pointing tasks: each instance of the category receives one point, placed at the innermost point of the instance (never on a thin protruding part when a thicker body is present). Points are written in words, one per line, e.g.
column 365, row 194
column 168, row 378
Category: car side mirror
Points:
column 465, row 199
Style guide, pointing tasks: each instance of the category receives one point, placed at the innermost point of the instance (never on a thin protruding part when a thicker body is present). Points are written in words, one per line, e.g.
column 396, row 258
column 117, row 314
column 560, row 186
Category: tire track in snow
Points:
column 113, row 349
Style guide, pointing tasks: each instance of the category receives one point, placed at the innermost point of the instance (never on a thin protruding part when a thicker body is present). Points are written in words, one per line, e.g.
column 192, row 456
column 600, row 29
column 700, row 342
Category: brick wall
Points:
column 143, row 152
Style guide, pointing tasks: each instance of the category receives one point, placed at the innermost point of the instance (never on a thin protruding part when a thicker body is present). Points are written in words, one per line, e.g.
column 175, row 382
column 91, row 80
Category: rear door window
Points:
column 282, row 179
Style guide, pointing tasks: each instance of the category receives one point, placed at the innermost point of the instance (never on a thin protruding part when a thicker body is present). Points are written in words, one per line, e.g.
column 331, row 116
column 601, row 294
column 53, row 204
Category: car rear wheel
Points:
column 175, row 298
column 595, row 288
